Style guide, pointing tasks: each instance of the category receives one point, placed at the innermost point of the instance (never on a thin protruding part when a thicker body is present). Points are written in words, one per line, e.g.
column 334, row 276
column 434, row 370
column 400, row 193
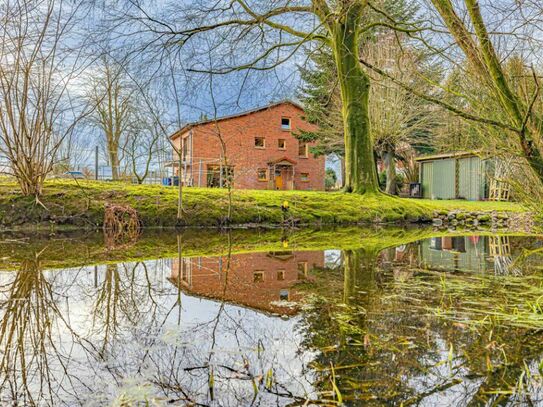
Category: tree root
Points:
column 122, row 225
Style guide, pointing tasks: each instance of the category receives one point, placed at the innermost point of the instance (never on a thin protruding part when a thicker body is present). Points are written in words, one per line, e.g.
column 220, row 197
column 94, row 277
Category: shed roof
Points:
column 442, row 156
column 244, row 113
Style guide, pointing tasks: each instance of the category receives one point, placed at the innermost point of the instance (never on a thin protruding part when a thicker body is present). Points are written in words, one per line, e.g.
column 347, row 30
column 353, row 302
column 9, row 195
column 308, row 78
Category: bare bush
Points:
column 37, row 112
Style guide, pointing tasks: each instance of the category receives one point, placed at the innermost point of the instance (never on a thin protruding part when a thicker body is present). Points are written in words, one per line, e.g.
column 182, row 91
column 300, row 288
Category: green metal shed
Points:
column 460, row 175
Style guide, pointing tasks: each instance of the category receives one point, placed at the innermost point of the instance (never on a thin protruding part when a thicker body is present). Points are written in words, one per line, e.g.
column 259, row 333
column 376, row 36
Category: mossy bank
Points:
column 82, row 204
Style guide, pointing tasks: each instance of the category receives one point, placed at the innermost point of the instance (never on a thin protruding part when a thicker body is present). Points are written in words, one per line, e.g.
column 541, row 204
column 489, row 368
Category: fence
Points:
column 160, row 171
column 136, row 171
column 5, row 166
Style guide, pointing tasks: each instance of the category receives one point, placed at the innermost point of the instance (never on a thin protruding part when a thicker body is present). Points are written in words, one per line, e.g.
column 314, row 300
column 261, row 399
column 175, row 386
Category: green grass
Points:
column 82, row 204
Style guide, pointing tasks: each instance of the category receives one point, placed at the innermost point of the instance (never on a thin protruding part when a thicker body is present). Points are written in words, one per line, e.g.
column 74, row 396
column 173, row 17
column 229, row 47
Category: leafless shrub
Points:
column 37, row 111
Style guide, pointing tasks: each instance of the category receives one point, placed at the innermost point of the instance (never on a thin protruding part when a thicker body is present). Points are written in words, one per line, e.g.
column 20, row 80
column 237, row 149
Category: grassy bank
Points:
column 82, row 204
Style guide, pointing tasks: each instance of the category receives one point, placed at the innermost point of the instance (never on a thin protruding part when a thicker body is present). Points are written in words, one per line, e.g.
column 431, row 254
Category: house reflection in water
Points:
column 473, row 253
column 263, row 281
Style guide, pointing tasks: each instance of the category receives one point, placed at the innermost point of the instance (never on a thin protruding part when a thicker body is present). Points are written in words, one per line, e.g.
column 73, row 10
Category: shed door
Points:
column 444, row 179
column 427, row 175
column 469, row 178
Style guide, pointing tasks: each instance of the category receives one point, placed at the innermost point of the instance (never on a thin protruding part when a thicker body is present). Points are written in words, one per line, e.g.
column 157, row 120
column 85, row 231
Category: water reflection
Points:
column 242, row 319
column 262, row 281
column 420, row 324
column 473, row 253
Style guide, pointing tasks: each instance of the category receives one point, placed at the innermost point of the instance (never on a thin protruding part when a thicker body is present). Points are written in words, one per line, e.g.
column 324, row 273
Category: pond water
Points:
column 328, row 317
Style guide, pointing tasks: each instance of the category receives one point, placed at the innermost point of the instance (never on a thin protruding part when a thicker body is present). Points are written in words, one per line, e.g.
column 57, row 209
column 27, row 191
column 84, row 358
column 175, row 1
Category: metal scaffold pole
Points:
column 96, row 163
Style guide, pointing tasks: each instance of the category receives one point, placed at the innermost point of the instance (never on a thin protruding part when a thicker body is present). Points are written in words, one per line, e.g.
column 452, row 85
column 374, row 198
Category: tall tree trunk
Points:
column 359, row 275
column 342, row 165
column 360, row 173
column 390, row 165
column 530, row 139
column 114, row 161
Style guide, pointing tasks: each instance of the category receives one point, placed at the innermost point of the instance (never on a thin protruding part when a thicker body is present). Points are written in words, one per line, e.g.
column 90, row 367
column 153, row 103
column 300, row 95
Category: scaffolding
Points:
column 500, row 188
column 500, row 251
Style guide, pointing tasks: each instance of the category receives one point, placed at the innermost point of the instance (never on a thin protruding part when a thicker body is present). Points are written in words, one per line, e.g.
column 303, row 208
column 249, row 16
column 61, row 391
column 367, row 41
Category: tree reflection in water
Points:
column 419, row 324
column 394, row 335
column 125, row 333
column 34, row 364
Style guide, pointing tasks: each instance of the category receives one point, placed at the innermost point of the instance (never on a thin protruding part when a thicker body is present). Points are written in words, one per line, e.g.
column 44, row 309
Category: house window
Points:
column 280, row 275
column 258, row 276
column 304, row 176
column 282, row 144
column 285, row 123
column 260, row 142
column 302, row 149
column 283, row 295
column 262, row 174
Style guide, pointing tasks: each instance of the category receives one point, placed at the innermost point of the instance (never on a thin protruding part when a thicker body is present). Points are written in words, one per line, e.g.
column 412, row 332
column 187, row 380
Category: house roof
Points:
column 244, row 113
column 442, row 156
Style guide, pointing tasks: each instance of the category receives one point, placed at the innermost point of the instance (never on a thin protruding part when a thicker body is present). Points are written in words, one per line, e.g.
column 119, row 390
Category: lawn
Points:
column 81, row 203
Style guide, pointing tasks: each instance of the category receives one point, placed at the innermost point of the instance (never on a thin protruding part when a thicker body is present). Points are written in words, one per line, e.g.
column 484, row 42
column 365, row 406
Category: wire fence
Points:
column 206, row 172
column 166, row 169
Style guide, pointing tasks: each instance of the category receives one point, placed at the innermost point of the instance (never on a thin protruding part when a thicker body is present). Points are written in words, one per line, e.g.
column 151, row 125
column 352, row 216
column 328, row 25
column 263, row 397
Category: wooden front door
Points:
column 278, row 180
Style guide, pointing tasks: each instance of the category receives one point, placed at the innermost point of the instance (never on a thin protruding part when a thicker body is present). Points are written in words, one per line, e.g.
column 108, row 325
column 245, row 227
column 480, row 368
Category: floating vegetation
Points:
column 473, row 300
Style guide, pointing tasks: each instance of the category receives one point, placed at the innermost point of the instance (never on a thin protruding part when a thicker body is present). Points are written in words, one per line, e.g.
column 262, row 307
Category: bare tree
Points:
column 398, row 117
column 143, row 144
column 161, row 128
column 37, row 112
column 112, row 94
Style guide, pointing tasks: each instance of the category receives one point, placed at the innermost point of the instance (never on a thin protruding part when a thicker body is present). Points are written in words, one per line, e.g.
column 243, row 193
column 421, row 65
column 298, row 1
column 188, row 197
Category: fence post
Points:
column 96, row 163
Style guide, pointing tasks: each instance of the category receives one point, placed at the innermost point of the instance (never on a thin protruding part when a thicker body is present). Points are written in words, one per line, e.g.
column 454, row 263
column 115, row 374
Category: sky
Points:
column 141, row 37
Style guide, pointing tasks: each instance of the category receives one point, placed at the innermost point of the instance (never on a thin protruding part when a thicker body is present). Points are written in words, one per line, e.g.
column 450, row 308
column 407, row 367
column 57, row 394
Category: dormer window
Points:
column 285, row 123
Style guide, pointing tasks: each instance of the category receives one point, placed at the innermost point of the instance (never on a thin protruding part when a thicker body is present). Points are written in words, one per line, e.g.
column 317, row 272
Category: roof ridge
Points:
column 231, row 116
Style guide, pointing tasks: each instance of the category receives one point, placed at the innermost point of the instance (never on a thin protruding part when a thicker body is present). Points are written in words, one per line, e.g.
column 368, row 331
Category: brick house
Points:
column 260, row 149
column 263, row 281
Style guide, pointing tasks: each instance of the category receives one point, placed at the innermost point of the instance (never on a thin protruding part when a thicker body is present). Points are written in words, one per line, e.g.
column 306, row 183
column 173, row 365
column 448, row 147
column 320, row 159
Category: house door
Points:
column 278, row 180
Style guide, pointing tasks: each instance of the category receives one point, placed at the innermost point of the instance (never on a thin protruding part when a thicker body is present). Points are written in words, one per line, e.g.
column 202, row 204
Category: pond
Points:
column 312, row 317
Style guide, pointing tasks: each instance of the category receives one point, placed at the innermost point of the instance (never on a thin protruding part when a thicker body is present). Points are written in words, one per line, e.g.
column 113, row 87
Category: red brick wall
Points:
column 207, row 277
column 238, row 134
